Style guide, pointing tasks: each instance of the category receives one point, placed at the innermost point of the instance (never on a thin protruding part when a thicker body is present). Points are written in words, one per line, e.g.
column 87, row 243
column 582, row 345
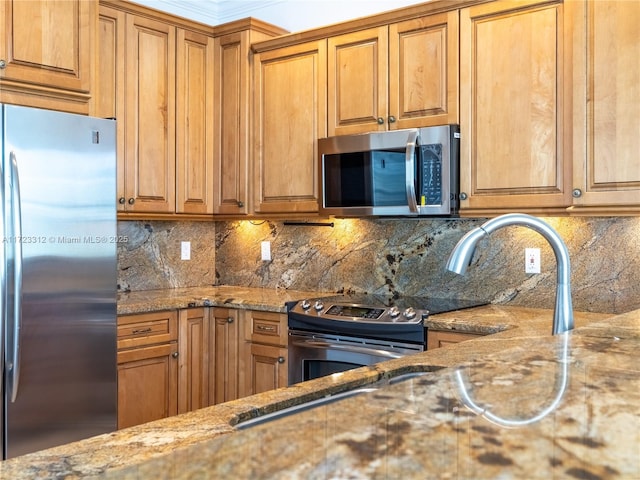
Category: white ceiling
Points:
column 293, row 15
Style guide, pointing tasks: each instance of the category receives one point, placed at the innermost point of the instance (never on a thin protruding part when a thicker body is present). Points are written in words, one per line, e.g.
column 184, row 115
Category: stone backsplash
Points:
column 389, row 257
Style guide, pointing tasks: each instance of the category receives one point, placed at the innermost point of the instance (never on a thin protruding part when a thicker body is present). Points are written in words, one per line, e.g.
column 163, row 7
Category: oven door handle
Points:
column 346, row 348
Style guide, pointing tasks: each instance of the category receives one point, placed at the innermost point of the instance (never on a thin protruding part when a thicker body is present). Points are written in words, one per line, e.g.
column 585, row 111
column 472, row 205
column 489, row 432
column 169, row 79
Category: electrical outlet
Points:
column 265, row 250
column 532, row 260
column 185, row 250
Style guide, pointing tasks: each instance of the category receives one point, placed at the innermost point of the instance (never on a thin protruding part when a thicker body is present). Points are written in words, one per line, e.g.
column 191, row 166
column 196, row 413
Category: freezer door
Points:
column 60, row 268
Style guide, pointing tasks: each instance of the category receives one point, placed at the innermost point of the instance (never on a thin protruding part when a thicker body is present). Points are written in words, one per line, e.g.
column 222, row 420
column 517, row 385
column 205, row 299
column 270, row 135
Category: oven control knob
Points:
column 305, row 304
column 394, row 312
column 318, row 306
column 410, row 313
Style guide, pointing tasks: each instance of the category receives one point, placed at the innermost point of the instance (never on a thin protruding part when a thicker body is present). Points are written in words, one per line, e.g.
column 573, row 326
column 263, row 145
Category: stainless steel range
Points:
column 334, row 334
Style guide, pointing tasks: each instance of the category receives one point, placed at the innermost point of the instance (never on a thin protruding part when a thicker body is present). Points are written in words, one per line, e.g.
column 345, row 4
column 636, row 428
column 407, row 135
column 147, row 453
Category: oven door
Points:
column 314, row 355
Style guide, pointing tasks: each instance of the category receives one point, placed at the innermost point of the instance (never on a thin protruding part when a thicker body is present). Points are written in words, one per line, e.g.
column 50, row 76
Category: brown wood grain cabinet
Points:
column 163, row 106
column 606, row 107
column 147, row 367
column 195, row 327
column 150, row 117
column 290, row 105
column 232, row 121
column 144, row 48
column 266, row 358
column 226, row 348
column 401, row 75
column 195, row 141
column 514, row 108
column 46, row 50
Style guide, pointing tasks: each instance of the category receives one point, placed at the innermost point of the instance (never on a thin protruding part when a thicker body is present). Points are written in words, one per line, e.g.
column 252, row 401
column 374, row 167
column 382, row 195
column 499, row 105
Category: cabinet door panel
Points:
column 150, row 128
column 607, row 55
column 147, row 385
column 268, row 368
column 290, row 103
column 225, row 356
column 357, row 81
column 232, row 101
column 193, row 387
column 194, row 123
column 108, row 99
column 47, row 47
column 423, row 71
column 512, row 107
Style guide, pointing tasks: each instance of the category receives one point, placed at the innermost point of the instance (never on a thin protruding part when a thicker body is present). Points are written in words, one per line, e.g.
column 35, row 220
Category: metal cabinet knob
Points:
column 132, row 201
column 280, row 359
column 463, row 196
column 3, row 64
column 380, row 120
column 240, row 203
column 392, row 119
column 576, row 193
column 122, row 200
column 229, row 319
column 175, row 354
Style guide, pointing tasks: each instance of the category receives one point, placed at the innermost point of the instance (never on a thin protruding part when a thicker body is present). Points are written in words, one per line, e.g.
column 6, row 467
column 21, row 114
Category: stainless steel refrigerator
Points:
column 58, row 278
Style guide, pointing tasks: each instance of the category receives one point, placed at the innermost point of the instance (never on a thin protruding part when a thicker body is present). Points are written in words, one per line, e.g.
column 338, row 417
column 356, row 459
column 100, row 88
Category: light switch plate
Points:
column 185, row 250
column 265, row 250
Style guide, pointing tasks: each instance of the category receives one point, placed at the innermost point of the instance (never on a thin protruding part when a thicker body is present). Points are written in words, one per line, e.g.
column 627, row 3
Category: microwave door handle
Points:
column 411, row 171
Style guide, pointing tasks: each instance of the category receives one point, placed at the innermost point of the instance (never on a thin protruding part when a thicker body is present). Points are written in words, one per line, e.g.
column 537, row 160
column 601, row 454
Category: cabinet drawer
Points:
column 147, row 353
column 147, row 329
column 268, row 328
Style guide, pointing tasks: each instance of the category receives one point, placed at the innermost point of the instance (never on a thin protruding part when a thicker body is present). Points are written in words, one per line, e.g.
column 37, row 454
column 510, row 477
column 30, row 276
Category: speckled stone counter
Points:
column 269, row 299
column 516, row 404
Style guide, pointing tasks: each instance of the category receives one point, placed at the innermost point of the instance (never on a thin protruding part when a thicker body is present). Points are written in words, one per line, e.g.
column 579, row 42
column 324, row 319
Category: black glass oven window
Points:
column 320, row 368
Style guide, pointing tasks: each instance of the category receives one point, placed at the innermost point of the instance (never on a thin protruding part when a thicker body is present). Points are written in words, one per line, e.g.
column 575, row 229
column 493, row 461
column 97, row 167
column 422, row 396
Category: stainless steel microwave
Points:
column 407, row 172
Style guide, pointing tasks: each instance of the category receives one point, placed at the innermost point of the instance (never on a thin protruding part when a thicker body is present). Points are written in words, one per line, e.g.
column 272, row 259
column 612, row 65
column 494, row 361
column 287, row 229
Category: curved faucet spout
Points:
column 462, row 253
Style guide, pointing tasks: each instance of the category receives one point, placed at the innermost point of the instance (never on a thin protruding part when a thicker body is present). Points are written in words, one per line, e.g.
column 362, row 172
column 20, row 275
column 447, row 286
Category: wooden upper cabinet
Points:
column 232, row 121
column 194, row 123
column 402, row 75
column 514, row 154
column 46, row 47
column 606, row 106
column 423, row 71
column 150, row 130
column 107, row 100
column 231, row 162
column 357, row 83
column 290, row 108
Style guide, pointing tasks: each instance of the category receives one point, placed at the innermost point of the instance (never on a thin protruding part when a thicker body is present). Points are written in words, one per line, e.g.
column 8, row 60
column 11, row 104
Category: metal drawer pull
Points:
column 266, row 328
column 142, row 330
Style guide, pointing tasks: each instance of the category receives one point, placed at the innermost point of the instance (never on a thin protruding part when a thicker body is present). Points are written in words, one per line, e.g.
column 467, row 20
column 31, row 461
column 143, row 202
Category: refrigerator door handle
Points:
column 15, row 236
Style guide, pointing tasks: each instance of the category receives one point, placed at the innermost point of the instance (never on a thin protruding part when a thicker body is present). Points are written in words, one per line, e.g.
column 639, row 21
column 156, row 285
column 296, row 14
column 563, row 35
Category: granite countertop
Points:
column 570, row 403
column 265, row 299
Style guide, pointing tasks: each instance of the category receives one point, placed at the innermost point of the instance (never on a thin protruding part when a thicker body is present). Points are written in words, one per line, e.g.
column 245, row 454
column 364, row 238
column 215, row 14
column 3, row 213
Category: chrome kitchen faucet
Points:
column 462, row 253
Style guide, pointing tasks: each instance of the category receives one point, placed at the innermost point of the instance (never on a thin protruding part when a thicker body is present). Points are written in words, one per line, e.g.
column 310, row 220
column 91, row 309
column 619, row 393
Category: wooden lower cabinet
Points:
column 265, row 364
column 267, row 368
column 225, row 345
column 147, row 367
column 441, row 338
column 193, row 341
column 173, row 362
